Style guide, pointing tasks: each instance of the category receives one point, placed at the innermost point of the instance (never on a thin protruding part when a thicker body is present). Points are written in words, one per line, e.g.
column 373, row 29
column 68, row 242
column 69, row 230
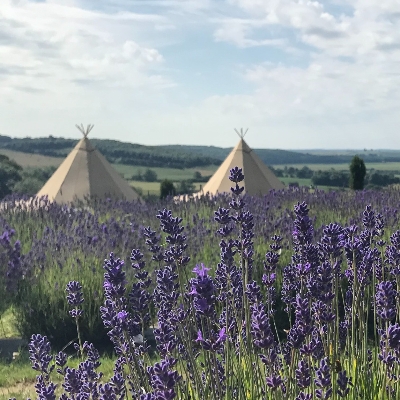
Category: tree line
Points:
column 343, row 179
column 177, row 156
column 115, row 152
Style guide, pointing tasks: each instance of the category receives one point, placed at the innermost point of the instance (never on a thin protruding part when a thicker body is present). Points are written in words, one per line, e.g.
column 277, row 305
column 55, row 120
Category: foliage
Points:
column 376, row 178
column 357, row 173
column 149, row 175
column 167, row 188
column 10, row 174
column 198, row 177
column 32, row 180
column 29, row 186
column 330, row 178
column 185, row 187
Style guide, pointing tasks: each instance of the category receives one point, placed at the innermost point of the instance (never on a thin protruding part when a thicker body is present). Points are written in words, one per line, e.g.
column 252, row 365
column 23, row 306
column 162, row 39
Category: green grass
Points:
column 32, row 160
column 17, row 378
column 7, row 325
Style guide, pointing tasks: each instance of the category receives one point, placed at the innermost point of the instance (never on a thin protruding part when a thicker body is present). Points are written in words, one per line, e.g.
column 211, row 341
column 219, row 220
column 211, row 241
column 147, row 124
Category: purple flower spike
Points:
column 222, row 335
column 323, row 380
column 385, row 301
column 236, row 175
column 274, row 382
column 163, row 380
column 304, row 396
column 344, row 383
column 303, row 375
column 74, row 298
column 40, row 354
column 201, row 270
column 203, row 291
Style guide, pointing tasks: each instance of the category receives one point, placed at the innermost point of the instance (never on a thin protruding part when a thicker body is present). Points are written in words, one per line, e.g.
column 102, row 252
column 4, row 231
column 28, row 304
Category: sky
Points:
column 298, row 74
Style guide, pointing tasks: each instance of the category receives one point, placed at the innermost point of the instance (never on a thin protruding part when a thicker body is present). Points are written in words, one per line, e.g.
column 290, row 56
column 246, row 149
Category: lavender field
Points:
column 289, row 296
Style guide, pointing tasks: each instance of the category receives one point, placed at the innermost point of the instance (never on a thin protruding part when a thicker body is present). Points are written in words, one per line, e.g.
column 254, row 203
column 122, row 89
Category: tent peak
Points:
column 241, row 133
column 85, row 131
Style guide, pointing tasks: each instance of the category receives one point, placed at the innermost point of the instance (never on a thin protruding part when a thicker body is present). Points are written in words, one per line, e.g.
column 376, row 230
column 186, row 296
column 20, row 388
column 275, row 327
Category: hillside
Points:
column 185, row 156
column 287, row 157
column 116, row 152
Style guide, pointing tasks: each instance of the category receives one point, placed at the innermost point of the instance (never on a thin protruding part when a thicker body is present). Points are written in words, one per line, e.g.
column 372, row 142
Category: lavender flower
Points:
column 323, row 380
column 303, row 375
column 75, row 298
column 40, row 354
column 344, row 383
column 385, row 298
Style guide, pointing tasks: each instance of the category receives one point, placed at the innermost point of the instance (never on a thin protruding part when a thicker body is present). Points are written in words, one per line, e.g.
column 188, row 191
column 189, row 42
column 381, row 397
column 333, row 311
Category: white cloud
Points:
column 53, row 45
column 334, row 70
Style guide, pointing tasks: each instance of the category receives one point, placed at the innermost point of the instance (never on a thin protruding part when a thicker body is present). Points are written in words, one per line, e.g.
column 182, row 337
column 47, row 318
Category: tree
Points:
column 357, row 173
column 197, row 175
column 10, row 174
column 185, row 187
column 150, row 175
column 305, row 172
column 29, row 185
column 167, row 188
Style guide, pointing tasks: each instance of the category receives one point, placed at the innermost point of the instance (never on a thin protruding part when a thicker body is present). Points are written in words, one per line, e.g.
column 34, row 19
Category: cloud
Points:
column 238, row 32
column 56, row 43
column 296, row 72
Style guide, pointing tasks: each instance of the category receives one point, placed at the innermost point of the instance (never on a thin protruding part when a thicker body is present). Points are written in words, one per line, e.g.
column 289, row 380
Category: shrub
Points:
column 167, row 188
column 357, row 173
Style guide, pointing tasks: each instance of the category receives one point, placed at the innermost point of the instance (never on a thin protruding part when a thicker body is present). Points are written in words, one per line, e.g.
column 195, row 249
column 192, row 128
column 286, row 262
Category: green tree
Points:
column 185, row 187
column 10, row 174
column 150, row 175
column 357, row 173
column 167, row 188
column 28, row 185
column 197, row 175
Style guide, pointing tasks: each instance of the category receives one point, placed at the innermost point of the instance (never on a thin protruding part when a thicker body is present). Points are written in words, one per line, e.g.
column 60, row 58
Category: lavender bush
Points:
column 216, row 327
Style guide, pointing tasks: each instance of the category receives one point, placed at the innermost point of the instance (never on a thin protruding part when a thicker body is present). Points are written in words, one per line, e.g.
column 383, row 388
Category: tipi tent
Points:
column 85, row 173
column 258, row 178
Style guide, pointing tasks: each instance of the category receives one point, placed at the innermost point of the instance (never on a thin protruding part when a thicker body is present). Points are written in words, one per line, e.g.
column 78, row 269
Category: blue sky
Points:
column 297, row 73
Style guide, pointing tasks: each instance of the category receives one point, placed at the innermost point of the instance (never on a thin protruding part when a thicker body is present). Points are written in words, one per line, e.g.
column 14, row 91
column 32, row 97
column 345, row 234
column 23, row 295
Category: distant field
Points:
column 32, row 160
column 389, row 166
column 300, row 181
column 39, row 161
column 172, row 174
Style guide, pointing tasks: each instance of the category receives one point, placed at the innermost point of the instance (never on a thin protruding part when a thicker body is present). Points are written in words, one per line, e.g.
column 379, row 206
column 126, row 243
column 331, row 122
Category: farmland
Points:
column 176, row 175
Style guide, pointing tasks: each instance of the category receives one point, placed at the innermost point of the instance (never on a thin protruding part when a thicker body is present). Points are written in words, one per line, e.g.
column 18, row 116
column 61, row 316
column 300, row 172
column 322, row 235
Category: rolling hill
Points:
column 183, row 156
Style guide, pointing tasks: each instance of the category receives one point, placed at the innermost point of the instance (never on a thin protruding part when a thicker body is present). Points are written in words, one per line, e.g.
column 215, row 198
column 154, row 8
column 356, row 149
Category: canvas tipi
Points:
column 85, row 173
column 258, row 178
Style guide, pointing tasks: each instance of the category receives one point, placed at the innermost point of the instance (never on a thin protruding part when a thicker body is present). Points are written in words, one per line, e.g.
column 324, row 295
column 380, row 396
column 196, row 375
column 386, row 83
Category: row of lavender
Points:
column 216, row 330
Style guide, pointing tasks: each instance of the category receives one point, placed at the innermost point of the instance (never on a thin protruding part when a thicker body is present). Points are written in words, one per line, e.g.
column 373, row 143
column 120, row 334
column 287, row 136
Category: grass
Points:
column 17, row 379
column 7, row 325
column 32, row 160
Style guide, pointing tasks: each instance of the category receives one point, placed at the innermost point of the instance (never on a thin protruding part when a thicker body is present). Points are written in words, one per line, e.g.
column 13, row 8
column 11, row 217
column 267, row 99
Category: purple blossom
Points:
column 385, row 301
